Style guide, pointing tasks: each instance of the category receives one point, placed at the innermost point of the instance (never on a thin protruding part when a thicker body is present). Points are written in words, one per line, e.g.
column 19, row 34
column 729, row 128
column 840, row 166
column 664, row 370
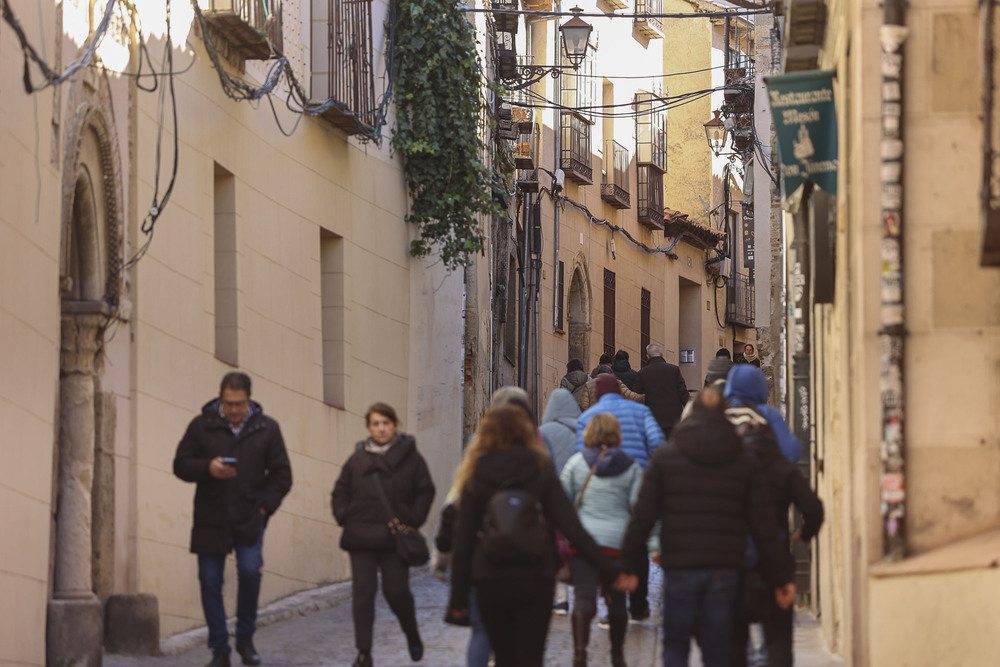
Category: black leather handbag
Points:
column 411, row 546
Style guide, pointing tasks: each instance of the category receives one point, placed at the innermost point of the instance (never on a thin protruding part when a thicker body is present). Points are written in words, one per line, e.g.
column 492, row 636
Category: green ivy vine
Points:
column 439, row 109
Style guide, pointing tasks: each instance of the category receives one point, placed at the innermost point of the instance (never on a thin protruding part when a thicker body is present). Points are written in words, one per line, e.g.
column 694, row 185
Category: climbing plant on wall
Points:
column 440, row 110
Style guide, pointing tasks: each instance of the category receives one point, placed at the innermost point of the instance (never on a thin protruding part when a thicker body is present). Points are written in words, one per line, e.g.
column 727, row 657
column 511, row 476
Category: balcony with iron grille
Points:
column 649, row 207
column 343, row 75
column 614, row 188
column 650, row 27
column 740, row 306
column 245, row 29
column 575, row 156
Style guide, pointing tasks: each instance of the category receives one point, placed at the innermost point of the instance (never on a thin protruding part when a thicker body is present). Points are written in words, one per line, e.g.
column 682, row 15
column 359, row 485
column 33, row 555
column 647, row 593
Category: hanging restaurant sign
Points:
column 805, row 122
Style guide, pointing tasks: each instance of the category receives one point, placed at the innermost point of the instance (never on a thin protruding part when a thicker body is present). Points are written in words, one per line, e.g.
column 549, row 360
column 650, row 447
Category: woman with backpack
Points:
column 604, row 481
column 511, row 502
column 385, row 478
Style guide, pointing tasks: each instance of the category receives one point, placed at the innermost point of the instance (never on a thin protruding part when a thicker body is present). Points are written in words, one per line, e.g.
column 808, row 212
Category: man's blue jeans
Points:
column 211, row 567
column 706, row 594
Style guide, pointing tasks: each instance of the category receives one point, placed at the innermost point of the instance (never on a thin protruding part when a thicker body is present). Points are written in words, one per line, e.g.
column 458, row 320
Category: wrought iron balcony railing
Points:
column 575, row 154
column 740, row 308
column 614, row 189
column 649, row 208
column 649, row 26
column 342, row 67
column 249, row 27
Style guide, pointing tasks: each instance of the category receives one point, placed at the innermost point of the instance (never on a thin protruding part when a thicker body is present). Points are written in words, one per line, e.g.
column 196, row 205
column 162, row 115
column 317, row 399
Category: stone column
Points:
column 74, row 627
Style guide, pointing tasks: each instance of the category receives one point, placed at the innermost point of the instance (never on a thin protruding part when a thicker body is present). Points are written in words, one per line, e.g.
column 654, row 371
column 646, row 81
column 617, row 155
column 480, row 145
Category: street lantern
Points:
column 576, row 37
column 717, row 134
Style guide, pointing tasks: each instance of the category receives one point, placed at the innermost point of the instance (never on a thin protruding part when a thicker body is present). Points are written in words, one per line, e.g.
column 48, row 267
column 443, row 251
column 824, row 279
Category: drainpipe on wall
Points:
column 892, row 331
column 557, row 149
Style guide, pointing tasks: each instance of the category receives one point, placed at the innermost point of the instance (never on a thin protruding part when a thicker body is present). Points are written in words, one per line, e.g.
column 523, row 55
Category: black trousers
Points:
column 758, row 605
column 586, row 583
column 638, row 601
column 516, row 613
column 395, row 587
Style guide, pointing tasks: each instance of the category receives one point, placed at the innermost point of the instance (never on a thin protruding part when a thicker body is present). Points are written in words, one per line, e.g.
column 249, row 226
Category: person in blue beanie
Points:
column 746, row 387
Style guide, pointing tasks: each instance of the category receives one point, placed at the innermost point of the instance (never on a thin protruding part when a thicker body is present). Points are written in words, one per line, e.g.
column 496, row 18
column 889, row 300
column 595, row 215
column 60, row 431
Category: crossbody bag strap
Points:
column 583, row 490
column 394, row 523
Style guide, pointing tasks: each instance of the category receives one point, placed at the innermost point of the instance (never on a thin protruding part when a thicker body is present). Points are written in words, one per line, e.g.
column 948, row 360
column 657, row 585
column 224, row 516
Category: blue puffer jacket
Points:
column 609, row 496
column 640, row 432
column 747, row 386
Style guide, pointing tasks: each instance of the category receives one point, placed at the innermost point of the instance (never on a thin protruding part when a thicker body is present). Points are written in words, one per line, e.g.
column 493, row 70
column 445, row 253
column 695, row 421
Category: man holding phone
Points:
column 236, row 456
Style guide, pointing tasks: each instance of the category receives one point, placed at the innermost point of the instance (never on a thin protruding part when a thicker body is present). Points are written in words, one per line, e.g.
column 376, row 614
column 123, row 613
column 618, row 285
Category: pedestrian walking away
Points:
column 575, row 379
column 664, row 388
column 511, row 502
column 236, row 456
column 641, row 435
column 384, row 466
column 558, row 429
column 588, row 396
column 606, row 359
column 604, row 481
column 708, row 493
column 623, row 370
column 746, row 389
column 785, row 486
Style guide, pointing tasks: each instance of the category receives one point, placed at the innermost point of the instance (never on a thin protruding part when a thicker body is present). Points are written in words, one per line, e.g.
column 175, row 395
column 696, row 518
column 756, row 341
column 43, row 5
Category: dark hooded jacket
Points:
column 575, row 381
column 624, row 372
column 709, row 494
column 357, row 505
column 786, row 485
column 229, row 509
column 517, row 467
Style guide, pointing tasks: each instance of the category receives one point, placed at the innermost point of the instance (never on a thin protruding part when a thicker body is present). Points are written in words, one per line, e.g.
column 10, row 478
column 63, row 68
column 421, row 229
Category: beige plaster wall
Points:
column 952, row 369
column 402, row 323
column 935, row 619
column 29, row 358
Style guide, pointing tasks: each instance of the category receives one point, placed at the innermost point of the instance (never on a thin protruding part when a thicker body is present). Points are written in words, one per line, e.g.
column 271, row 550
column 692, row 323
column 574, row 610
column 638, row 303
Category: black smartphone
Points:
column 229, row 460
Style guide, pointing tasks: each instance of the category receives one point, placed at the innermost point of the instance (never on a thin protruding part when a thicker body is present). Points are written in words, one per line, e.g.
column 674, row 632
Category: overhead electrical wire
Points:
column 51, row 78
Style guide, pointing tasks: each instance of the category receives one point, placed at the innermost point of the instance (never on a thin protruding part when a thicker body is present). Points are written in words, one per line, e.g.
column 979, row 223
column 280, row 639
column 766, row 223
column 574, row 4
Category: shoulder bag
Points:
column 563, row 575
column 411, row 546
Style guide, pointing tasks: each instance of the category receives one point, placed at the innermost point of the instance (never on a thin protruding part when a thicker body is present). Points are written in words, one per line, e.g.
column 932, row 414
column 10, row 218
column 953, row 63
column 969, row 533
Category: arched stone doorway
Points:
column 90, row 278
column 579, row 314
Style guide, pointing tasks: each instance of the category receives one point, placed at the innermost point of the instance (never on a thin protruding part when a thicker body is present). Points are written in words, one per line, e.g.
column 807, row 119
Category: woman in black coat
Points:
column 388, row 458
column 514, row 597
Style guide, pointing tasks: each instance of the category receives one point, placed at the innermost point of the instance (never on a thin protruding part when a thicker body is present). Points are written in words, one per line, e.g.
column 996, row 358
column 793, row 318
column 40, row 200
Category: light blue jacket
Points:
column 608, row 500
column 640, row 432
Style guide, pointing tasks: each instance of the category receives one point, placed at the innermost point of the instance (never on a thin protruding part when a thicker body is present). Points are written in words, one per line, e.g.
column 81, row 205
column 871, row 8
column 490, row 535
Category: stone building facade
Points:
column 285, row 257
column 622, row 200
column 903, row 375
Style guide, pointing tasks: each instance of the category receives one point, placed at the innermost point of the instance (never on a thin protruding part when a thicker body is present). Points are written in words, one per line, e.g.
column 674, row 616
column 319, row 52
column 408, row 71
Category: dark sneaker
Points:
column 364, row 659
column 247, row 652
column 417, row 651
column 219, row 660
column 561, row 608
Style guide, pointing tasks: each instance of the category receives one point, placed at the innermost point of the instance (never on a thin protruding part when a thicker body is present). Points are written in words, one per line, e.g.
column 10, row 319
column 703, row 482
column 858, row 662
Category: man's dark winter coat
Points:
column 709, row 494
column 357, row 505
column 517, row 467
column 665, row 391
column 225, row 509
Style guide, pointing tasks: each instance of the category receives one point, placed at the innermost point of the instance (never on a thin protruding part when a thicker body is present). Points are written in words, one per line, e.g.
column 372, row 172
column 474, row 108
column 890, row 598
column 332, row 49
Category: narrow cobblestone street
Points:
column 314, row 629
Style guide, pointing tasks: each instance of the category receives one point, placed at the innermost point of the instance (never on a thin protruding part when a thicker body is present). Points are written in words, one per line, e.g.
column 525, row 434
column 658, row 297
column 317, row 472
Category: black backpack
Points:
column 513, row 531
